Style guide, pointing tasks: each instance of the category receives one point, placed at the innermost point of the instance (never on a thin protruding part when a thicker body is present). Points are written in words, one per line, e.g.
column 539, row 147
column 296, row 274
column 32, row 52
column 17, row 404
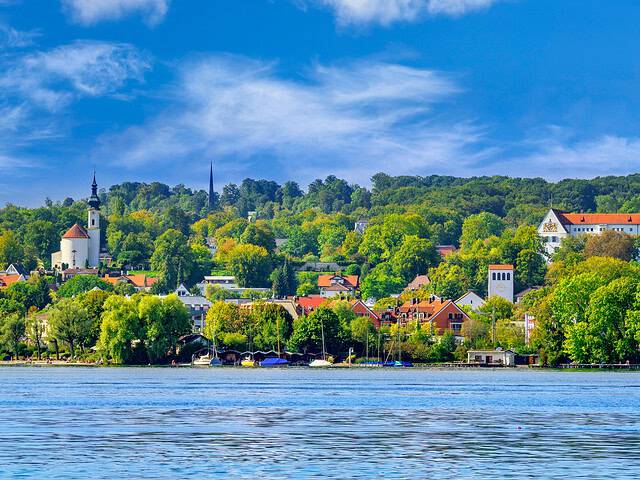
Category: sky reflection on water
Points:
column 297, row 423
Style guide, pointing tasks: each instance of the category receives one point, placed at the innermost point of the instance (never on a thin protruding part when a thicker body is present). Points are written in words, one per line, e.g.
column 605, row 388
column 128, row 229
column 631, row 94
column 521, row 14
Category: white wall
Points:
column 81, row 247
column 501, row 286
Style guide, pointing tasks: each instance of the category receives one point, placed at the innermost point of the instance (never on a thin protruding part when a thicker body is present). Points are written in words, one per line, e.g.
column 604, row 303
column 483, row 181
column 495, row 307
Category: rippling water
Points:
column 297, row 423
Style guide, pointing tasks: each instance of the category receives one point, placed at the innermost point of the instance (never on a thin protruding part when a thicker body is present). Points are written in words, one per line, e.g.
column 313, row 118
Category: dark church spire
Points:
column 94, row 201
column 211, row 192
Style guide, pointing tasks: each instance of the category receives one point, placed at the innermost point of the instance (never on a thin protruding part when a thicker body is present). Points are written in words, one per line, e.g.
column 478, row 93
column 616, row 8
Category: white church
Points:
column 80, row 246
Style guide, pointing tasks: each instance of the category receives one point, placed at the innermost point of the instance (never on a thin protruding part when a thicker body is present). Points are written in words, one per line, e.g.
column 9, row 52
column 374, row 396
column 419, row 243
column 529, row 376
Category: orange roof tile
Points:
column 599, row 218
column 76, row 232
column 325, row 280
column 8, row 280
column 500, row 267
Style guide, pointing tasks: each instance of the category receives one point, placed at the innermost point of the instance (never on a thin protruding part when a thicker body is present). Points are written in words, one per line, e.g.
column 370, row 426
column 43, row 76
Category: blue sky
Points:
column 298, row 89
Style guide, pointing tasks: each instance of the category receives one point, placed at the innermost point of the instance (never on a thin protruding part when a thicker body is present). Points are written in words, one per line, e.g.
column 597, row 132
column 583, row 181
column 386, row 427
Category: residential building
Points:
column 470, row 299
column 16, row 269
column 446, row 250
column 529, row 325
column 7, row 280
column 496, row 357
column 336, row 285
column 197, row 305
column 69, row 273
column 442, row 315
column 360, row 226
column 310, row 303
column 223, row 281
column 80, row 246
column 500, row 281
column 417, row 283
column 557, row 225
column 140, row 282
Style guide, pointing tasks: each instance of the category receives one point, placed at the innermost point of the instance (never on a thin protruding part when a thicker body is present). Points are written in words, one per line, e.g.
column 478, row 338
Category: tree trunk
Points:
column 71, row 348
column 55, row 342
column 39, row 350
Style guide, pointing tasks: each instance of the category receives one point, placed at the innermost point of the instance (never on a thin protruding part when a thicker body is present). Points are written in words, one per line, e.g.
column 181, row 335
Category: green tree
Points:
column 12, row 330
column 307, row 332
column 381, row 282
column 250, row 265
column 164, row 321
column 611, row 244
column 70, row 323
column 530, row 268
column 480, row 227
column 11, row 250
column 81, row 284
column 121, row 328
column 273, row 326
column 172, row 259
column 414, row 256
column 259, row 233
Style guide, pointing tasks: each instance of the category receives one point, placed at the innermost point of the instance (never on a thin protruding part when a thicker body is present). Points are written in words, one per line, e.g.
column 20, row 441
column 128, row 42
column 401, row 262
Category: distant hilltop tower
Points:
column 211, row 192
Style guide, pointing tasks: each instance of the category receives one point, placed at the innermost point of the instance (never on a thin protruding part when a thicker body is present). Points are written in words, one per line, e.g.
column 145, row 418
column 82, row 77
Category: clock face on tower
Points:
column 501, row 288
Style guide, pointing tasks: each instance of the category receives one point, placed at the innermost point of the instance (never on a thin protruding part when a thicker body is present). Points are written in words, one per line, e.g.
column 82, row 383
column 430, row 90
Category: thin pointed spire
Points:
column 211, row 192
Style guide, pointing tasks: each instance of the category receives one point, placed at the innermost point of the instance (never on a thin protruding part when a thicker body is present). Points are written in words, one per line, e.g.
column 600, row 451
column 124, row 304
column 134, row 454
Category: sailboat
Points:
column 275, row 361
column 318, row 363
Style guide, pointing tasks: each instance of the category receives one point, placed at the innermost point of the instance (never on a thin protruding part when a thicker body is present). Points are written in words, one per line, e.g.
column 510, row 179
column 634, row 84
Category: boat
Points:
column 215, row 362
column 248, row 362
column 321, row 362
column 203, row 361
column 274, row 362
column 318, row 363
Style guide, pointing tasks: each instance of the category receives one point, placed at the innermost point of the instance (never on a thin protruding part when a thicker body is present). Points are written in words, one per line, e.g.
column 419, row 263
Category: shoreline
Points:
column 448, row 367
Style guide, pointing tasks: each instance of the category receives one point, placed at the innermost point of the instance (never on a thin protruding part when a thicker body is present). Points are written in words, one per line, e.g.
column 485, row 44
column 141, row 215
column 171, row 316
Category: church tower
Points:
column 93, row 225
column 211, row 192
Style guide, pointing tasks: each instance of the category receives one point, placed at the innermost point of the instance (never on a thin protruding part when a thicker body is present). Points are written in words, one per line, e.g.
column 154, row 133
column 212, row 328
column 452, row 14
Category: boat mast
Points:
column 324, row 354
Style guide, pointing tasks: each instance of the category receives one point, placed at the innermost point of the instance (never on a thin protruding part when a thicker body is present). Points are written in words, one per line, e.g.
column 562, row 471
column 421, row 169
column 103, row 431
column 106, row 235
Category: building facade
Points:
column 500, row 281
column 80, row 246
column 558, row 225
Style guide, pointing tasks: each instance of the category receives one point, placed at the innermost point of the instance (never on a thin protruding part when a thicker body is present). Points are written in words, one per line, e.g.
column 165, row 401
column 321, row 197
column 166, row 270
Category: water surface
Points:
column 301, row 423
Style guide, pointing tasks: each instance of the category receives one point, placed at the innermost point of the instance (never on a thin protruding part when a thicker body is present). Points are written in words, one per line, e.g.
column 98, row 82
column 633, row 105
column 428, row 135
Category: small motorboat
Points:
column 203, row 361
column 320, row 363
column 247, row 362
column 274, row 362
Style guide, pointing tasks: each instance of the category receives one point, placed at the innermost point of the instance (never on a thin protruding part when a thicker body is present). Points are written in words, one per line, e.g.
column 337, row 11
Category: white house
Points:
column 470, row 299
column 500, row 281
column 79, row 246
column 557, row 225
column 506, row 358
column 197, row 305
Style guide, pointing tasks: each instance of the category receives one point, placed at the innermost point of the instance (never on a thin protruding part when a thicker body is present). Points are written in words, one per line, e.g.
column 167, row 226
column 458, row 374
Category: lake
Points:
column 58, row 422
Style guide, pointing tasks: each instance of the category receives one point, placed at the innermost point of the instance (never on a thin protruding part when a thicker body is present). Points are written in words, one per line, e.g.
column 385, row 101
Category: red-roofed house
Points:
column 445, row 250
column 7, row 280
column 311, row 302
column 336, row 285
column 417, row 283
column 140, row 281
column 442, row 315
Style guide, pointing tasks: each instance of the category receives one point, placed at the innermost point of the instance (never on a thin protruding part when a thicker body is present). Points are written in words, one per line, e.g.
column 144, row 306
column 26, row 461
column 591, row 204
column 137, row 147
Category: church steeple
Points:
column 94, row 201
column 211, row 192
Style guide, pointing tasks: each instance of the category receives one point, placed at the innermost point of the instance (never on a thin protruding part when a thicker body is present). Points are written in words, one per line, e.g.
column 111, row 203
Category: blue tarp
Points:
column 274, row 362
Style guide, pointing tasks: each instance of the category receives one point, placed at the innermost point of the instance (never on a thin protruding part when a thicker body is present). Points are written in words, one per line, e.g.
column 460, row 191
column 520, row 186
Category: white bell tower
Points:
column 500, row 281
column 93, row 225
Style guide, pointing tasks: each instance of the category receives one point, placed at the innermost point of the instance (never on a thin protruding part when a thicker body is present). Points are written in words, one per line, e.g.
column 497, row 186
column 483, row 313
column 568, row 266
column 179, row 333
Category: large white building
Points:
column 80, row 246
column 557, row 225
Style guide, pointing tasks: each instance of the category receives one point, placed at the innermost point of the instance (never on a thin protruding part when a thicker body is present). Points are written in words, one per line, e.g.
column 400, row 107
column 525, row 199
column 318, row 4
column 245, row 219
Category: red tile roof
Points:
column 139, row 280
column 419, row 281
column 445, row 250
column 598, row 218
column 8, row 280
column 350, row 280
column 500, row 267
column 76, row 232
column 311, row 302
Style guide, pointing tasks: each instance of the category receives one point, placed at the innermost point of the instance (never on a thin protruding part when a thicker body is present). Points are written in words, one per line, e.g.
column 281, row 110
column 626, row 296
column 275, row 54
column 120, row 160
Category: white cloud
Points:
column 89, row 12
column 557, row 158
column 352, row 120
column 385, row 12
column 12, row 38
column 53, row 78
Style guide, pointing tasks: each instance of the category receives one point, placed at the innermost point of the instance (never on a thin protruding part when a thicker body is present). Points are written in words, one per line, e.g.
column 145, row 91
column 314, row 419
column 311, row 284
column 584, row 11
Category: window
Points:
column 508, row 276
column 494, row 275
column 451, row 316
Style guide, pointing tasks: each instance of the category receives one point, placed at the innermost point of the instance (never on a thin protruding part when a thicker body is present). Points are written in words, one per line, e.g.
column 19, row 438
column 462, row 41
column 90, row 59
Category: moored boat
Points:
column 274, row 362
